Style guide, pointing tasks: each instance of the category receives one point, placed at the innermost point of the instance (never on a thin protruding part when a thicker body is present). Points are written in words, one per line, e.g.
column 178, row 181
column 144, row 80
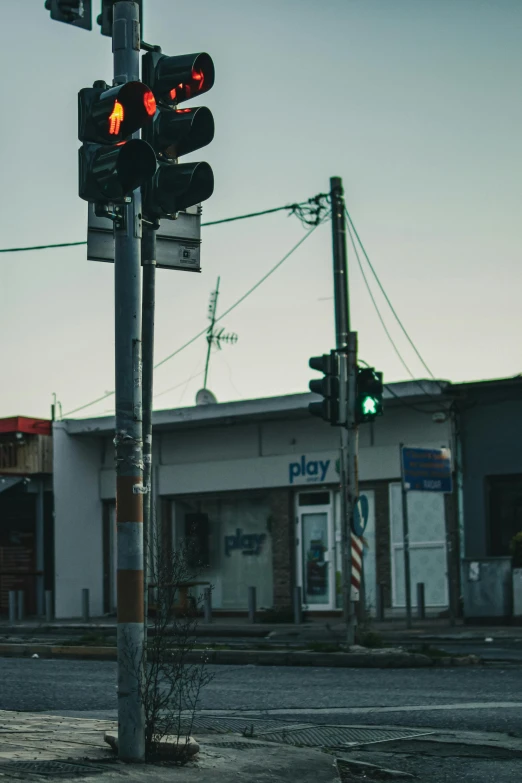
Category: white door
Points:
column 428, row 564
column 316, row 550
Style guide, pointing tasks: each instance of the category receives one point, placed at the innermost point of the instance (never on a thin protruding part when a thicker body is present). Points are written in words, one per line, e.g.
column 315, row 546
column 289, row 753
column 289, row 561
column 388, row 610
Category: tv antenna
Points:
column 215, row 337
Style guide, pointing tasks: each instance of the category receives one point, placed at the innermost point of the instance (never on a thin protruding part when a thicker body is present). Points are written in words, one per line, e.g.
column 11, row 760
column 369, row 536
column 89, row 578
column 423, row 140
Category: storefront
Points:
column 254, row 487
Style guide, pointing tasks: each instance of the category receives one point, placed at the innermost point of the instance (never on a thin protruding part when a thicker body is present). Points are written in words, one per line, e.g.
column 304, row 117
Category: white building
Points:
column 258, row 482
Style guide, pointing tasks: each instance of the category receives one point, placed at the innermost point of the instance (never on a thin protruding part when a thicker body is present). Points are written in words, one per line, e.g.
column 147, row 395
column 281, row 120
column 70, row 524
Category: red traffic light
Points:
column 177, row 79
column 108, row 116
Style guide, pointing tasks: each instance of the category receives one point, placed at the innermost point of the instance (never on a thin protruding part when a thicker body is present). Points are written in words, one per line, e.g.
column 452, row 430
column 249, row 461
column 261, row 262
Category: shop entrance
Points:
column 316, row 550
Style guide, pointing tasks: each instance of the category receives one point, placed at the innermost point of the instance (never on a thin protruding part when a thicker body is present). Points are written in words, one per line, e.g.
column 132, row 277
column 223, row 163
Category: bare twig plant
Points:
column 171, row 674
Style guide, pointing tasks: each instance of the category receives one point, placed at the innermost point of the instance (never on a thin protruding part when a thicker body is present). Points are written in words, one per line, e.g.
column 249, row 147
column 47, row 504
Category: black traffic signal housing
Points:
column 75, row 12
column 105, row 18
column 332, row 388
column 176, row 132
column 111, row 163
column 368, row 403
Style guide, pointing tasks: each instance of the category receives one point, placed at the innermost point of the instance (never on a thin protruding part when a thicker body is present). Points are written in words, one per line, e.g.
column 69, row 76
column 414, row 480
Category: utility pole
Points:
column 346, row 341
column 212, row 316
column 128, row 439
column 148, row 256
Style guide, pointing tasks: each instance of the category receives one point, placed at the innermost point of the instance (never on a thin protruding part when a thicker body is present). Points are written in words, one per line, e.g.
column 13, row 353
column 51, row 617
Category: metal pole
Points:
column 148, row 253
column 421, row 605
column 85, row 605
column 128, row 437
column 210, row 333
column 49, row 606
column 348, row 468
column 251, row 604
column 406, row 540
column 207, row 605
column 380, row 601
column 12, row 606
column 298, row 606
column 40, row 565
column 20, row 605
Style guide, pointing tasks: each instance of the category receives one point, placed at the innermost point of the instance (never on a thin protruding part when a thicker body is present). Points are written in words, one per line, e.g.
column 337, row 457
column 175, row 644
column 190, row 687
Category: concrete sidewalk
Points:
column 33, row 745
column 391, row 631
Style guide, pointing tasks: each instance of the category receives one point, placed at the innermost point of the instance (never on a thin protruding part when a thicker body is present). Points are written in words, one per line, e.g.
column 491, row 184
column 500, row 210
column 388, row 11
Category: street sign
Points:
column 178, row 241
column 426, row 470
column 361, row 512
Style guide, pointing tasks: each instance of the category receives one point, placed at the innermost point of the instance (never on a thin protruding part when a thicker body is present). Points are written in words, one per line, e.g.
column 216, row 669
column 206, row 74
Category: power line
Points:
column 350, row 222
column 295, row 209
column 232, row 307
column 381, row 319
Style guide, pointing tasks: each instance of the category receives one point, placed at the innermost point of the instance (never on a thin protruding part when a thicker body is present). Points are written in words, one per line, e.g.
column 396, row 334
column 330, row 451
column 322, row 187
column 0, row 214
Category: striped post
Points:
column 357, row 555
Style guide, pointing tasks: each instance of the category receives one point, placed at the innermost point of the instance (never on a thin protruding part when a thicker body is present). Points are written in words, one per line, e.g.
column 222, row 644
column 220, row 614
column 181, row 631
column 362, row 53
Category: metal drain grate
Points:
column 240, row 745
column 52, row 767
column 225, row 724
column 337, row 736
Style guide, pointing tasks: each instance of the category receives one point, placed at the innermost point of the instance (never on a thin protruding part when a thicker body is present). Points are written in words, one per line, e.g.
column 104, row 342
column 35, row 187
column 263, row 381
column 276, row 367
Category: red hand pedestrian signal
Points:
column 116, row 119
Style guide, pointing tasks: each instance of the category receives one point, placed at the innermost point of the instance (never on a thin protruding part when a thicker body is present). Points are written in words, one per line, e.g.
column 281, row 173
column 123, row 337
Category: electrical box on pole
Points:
column 175, row 132
column 75, row 12
column 111, row 163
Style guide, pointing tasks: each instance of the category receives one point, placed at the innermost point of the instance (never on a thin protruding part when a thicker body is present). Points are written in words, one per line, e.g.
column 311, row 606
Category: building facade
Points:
column 254, row 485
column 26, row 520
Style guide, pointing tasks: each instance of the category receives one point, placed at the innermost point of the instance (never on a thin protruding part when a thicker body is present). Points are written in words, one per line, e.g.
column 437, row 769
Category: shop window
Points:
column 197, row 540
column 314, row 498
column 505, row 512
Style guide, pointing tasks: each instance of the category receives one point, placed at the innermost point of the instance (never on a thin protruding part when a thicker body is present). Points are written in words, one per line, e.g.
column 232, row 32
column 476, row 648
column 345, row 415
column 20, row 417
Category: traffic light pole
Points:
column 148, row 254
column 128, row 437
column 346, row 341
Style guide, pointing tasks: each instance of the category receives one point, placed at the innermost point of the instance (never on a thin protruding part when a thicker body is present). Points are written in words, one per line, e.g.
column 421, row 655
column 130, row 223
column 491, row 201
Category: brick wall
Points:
column 282, row 528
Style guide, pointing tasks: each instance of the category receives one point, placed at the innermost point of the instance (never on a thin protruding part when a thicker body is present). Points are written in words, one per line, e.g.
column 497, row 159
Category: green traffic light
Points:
column 369, row 406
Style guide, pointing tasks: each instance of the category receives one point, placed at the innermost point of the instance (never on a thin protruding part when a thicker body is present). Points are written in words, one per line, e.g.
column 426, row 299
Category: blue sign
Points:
column 426, row 470
column 361, row 513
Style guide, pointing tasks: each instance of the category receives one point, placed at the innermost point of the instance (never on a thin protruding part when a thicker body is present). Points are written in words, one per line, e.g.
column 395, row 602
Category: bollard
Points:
column 380, row 601
column 207, row 605
column 421, row 608
column 20, row 608
column 298, row 606
column 49, row 606
column 85, row 604
column 12, row 606
column 251, row 604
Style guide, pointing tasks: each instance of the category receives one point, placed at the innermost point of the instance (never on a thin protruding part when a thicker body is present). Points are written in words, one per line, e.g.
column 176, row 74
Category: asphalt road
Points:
column 471, row 698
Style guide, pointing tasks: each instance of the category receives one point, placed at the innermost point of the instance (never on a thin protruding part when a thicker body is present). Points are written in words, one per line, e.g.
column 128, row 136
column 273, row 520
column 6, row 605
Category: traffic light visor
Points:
column 136, row 164
column 180, row 78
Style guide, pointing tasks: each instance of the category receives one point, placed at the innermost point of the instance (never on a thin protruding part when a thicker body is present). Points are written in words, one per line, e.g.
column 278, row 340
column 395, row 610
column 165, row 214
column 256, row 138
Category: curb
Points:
column 253, row 657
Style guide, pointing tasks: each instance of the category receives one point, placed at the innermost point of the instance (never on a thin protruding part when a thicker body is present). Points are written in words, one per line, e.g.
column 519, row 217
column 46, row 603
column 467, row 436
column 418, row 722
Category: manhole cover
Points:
column 336, row 736
column 52, row 767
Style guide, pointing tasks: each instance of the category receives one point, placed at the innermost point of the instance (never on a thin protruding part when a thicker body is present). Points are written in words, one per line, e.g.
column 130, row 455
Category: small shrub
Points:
column 516, row 550
column 370, row 639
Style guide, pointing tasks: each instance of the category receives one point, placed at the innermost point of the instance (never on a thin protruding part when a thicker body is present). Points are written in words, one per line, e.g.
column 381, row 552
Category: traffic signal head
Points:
column 328, row 387
column 177, row 79
column 111, row 163
column 369, row 394
column 75, row 12
column 108, row 174
column 176, row 132
column 108, row 116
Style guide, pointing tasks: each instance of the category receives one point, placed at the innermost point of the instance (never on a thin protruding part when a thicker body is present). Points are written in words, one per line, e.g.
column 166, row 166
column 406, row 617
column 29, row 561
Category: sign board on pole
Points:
column 177, row 241
column 426, row 470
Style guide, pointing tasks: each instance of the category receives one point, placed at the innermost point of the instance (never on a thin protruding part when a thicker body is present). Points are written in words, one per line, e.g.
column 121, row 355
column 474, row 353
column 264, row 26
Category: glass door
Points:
column 315, row 548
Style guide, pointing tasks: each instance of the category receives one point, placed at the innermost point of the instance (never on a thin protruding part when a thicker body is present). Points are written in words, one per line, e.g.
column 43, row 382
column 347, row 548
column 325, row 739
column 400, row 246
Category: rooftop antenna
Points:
column 214, row 337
